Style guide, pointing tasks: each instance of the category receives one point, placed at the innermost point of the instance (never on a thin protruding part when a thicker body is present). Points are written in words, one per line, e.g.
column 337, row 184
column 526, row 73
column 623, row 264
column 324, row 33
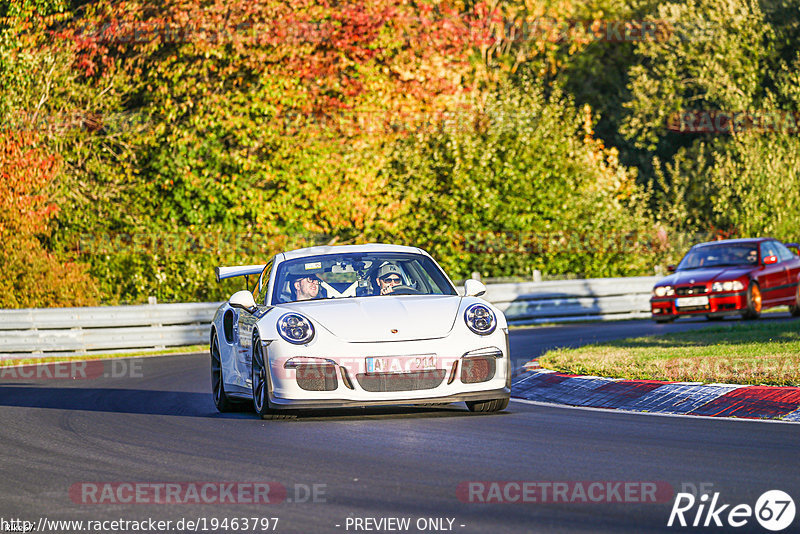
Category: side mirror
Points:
column 474, row 288
column 672, row 268
column 243, row 300
column 770, row 259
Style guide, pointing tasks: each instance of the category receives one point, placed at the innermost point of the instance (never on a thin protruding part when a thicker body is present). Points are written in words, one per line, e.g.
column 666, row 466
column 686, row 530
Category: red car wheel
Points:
column 753, row 310
column 795, row 308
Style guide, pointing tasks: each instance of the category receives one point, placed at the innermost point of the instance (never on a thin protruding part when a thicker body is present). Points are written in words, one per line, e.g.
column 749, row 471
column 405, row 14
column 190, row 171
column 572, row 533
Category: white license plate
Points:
column 401, row 364
column 691, row 301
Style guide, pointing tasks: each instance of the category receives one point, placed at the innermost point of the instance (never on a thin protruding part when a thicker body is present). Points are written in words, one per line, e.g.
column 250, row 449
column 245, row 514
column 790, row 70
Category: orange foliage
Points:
column 24, row 173
column 344, row 55
column 32, row 276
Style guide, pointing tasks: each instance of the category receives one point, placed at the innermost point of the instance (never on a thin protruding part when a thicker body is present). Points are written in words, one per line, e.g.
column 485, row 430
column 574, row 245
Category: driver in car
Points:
column 389, row 275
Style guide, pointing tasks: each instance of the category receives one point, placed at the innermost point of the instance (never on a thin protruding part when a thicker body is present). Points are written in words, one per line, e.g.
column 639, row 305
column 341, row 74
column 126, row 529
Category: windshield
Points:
column 720, row 255
column 358, row 275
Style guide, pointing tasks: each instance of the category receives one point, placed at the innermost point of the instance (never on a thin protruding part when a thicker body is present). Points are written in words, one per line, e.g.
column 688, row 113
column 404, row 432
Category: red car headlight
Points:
column 663, row 291
column 730, row 285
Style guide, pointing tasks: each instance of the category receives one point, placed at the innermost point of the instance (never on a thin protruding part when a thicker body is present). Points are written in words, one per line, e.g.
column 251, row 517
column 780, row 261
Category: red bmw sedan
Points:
column 734, row 276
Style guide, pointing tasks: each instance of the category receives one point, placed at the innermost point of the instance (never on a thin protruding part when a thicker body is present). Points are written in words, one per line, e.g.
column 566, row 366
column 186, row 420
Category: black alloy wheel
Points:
column 221, row 400
column 261, row 385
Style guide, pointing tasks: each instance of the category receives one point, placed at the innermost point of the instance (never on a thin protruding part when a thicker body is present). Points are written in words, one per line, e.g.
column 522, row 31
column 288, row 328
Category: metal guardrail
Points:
column 573, row 300
column 57, row 331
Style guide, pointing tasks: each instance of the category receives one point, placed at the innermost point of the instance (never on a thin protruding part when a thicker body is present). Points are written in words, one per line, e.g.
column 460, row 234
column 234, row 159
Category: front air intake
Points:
column 317, row 377
column 477, row 369
column 385, row 382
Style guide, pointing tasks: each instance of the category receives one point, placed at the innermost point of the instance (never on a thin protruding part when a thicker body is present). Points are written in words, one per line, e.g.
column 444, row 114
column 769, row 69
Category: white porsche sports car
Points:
column 356, row 325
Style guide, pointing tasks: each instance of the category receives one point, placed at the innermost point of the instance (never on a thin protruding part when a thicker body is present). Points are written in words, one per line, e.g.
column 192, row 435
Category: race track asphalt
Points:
column 155, row 422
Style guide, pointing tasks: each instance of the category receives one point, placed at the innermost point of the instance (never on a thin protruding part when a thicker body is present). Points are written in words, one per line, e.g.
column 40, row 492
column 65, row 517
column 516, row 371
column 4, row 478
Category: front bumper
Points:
column 333, row 373
column 720, row 304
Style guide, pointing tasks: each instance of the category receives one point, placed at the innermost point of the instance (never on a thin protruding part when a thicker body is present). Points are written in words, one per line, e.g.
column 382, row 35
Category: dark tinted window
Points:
column 784, row 254
column 719, row 255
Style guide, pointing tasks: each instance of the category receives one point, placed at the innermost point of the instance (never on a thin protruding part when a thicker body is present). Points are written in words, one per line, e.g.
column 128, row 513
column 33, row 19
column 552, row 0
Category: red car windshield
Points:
column 720, row 256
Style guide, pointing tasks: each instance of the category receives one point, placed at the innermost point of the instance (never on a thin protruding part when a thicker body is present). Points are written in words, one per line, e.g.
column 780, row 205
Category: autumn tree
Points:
column 32, row 276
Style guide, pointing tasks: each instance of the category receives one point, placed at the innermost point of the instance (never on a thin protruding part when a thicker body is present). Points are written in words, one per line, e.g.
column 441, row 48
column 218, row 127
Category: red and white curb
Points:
column 678, row 398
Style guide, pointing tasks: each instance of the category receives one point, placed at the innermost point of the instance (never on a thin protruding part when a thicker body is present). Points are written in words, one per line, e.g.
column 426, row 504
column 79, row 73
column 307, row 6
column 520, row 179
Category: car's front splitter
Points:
column 279, row 403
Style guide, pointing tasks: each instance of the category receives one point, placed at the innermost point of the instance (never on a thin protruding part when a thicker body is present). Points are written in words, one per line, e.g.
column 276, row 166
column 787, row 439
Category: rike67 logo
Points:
column 774, row 510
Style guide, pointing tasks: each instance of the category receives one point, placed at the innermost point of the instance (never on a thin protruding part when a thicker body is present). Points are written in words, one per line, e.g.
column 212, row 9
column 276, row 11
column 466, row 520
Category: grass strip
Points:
column 752, row 353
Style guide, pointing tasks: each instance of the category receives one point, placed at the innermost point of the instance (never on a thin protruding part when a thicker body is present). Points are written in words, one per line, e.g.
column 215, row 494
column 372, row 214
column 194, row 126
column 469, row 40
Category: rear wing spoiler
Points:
column 238, row 270
column 793, row 245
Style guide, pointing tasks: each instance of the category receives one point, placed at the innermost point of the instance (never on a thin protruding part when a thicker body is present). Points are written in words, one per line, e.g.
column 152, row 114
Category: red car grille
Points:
column 690, row 290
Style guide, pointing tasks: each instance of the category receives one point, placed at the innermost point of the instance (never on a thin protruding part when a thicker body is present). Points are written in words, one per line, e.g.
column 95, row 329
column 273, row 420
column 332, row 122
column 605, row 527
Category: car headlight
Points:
column 731, row 285
column 663, row 291
column 480, row 319
column 295, row 328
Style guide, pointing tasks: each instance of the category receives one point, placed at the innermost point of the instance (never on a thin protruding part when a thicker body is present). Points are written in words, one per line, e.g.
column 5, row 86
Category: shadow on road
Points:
column 186, row 404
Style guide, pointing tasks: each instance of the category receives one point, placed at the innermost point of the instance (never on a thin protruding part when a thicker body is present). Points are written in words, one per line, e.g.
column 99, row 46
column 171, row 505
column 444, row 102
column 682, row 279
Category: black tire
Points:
column 493, row 405
column 221, row 400
column 753, row 310
column 795, row 308
column 259, row 378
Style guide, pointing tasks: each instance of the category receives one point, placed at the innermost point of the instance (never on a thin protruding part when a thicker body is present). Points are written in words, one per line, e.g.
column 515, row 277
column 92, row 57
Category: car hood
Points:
column 369, row 319
column 702, row 276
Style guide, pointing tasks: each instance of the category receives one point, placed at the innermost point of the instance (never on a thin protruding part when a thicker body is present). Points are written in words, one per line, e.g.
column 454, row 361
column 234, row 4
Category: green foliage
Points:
column 735, row 56
column 750, row 184
column 188, row 134
column 251, row 139
column 719, row 60
column 522, row 186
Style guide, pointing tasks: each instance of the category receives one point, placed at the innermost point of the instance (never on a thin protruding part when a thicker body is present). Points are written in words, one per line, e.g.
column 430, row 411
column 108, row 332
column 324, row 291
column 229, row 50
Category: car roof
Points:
column 745, row 241
column 345, row 249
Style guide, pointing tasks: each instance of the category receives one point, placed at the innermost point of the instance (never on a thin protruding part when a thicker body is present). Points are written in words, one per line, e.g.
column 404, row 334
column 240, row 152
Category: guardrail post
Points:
column 153, row 301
